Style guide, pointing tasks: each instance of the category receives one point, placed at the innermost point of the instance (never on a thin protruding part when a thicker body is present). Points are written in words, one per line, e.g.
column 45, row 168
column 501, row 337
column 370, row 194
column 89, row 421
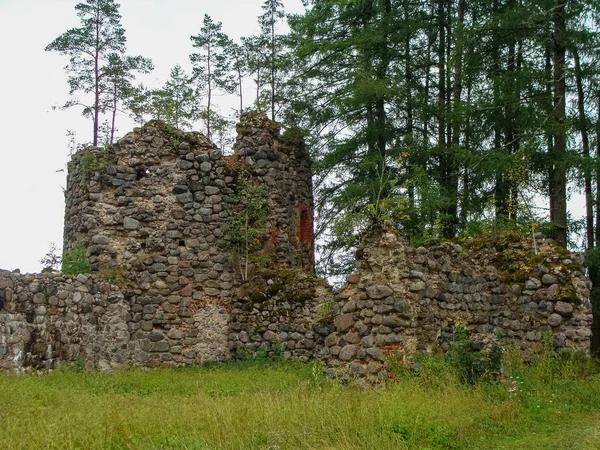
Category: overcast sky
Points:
column 33, row 142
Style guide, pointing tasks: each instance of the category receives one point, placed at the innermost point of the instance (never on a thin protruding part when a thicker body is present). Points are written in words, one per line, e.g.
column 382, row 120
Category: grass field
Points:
column 553, row 404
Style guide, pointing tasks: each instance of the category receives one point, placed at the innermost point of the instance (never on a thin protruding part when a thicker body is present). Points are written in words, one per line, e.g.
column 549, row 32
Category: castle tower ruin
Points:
column 152, row 212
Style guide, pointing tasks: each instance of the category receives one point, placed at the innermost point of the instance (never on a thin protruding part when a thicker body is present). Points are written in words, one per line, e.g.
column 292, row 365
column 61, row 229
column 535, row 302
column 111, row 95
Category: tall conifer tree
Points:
column 88, row 47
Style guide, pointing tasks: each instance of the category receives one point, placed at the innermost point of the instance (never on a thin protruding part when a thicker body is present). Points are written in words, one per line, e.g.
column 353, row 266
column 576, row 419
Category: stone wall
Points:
column 151, row 212
column 404, row 301
column 45, row 318
column 283, row 312
column 282, row 164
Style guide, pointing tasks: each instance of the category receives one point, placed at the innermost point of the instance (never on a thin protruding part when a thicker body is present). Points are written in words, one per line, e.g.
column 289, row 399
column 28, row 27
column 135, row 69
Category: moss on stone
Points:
column 257, row 120
column 91, row 161
column 515, row 255
column 282, row 285
column 568, row 294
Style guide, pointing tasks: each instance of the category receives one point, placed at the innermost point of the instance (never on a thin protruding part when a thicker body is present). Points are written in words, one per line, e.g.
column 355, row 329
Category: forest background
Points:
column 445, row 117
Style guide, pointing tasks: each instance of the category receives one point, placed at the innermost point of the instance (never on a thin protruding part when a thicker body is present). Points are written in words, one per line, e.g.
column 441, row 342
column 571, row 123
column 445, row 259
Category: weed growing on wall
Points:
column 92, row 162
column 76, row 261
column 326, row 312
column 246, row 231
column 115, row 275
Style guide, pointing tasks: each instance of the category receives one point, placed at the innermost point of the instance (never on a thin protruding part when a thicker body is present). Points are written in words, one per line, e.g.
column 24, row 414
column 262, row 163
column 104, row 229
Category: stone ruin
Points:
column 163, row 290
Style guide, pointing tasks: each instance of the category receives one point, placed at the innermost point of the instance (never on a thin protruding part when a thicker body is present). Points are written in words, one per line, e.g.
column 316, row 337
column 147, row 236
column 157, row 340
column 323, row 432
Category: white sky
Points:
column 33, row 142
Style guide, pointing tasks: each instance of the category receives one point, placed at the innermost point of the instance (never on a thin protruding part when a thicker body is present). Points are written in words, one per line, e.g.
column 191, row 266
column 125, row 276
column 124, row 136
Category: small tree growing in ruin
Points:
column 247, row 228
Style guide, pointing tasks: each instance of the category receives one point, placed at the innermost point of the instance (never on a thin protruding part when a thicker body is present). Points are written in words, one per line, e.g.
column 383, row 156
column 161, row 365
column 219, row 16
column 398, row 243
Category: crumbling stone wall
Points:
column 282, row 164
column 50, row 317
column 284, row 313
column 151, row 212
column 404, row 301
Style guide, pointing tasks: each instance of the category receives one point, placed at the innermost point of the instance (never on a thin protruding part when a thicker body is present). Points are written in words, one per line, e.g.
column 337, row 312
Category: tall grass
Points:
column 552, row 404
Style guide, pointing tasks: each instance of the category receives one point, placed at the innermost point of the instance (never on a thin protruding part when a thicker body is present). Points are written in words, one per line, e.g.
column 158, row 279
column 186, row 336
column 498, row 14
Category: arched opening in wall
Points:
column 305, row 227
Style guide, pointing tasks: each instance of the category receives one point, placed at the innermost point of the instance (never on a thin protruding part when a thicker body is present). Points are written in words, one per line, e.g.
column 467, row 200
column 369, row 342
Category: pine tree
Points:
column 558, row 171
column 117, row 82
column 180, row 99
column 211, row 65
column 239, row 69
column 272, row 43
column 88, row 47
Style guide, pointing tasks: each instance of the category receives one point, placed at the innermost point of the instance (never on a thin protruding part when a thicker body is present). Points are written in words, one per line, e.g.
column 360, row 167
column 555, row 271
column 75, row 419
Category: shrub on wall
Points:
column 76, row 261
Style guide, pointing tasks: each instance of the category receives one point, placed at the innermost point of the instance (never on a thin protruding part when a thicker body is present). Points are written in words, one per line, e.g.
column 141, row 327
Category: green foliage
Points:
column 76, row 261
column 473, row 366
column 78, row 364
column 246, row 231
column 289, row 285
column 92, row 161
column 592, row 262
column 592, row 259
column 478, row 136
column 293, row 135
column 260, row 355
column 326, row 312
column 115, row 275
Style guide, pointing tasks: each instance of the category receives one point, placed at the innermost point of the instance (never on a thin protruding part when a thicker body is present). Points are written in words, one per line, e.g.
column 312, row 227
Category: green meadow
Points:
column 553, row 403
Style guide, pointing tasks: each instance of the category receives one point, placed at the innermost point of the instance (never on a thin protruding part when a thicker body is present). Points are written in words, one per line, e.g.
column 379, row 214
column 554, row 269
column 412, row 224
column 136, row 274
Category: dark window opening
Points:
column 182, row 243
column 141, row 172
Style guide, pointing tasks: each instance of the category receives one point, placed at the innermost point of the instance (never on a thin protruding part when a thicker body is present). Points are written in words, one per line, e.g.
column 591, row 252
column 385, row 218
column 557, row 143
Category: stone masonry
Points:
column 402, row 301
column 152, row 213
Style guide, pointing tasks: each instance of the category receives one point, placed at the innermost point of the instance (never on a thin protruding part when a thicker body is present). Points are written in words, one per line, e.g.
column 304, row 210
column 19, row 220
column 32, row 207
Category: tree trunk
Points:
column 114, row 116
column 465, row 203
column 241, row 91
column 457, row 117
column 595, row 340
column 97, row 78
column 517, row 133
column 549, row 136
column 501, row 188
column 409, row 122
column 558, row 192
column 426, row 90
column 594, row 276
column 441, row 106
column 447, row 165
column 209, row 86
column 258, row 87
column 585, row 142
column 273, row 68
column 511, row 105
column 597, row 234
